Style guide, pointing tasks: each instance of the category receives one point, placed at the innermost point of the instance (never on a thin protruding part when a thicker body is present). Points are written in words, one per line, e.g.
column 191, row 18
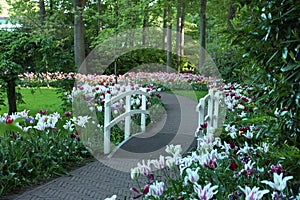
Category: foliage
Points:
column 268, row 34
column 58, row 20
column 116, row 17
column 16, row 54
column 146, row 58
column 31, row 53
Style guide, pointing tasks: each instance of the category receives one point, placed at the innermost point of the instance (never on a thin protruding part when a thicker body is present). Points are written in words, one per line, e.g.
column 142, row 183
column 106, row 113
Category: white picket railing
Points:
column 208, row 109
column 108, row 123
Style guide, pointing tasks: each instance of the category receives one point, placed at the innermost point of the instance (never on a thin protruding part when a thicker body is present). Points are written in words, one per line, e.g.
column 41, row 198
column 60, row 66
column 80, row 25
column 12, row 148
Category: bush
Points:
column 146, row 58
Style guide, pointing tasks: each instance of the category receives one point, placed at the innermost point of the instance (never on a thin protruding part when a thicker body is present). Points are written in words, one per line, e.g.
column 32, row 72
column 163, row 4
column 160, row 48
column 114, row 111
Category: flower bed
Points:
column 167, row 80
column 37, row 147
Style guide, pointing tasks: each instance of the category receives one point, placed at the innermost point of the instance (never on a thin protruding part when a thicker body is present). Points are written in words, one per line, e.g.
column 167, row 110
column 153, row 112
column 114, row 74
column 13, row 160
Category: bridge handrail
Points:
column 212, row 106
column 108, row 123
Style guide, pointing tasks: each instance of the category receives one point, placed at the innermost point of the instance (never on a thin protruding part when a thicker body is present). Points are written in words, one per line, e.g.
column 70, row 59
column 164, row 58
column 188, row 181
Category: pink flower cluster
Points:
column 169, row 80
column 30, row 76
column 94, row 94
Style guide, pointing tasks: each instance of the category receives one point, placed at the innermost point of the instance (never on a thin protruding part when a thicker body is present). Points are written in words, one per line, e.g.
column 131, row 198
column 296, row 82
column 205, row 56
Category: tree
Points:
column 21, row 52
column 53, row 18
column 108, row 18
column 145, row 25
column 164, row 38
column 169, row 38
column 13, row 61
column 99, row 8
column 79, row 46
column 180, row 17
column 42, row 11
column 202, row 15
column 183, row 13
column 178, row 34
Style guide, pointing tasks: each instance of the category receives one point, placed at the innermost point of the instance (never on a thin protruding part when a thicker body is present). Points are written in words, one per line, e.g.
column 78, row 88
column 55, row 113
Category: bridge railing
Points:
column 208, row 112
column 108, row 123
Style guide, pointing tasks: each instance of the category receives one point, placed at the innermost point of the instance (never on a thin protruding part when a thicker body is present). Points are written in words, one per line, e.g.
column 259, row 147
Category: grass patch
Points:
column 35, row 99
column 194, row 95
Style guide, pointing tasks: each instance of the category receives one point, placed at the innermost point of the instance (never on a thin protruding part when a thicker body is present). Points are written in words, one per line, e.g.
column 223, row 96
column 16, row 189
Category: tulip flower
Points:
column 206, row 192
column 156, row 189
column 254, row 193
column 279, row 182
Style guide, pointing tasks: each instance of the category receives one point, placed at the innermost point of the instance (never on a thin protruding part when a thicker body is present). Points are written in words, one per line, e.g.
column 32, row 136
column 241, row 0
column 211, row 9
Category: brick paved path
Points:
column 111, row 175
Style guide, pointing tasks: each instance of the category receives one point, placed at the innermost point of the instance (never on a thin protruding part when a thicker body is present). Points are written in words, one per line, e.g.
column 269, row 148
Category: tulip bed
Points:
column 36, row 147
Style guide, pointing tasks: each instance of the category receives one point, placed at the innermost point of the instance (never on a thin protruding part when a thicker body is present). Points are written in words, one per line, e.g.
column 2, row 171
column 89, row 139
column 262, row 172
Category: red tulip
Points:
column 9, row 120
column 233, row 166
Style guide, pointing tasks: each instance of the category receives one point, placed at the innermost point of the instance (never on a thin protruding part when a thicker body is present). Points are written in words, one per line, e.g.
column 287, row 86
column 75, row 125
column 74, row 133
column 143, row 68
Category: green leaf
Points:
column 290, row 67
column 271, row 58
column 10, row 128
column 292, row 55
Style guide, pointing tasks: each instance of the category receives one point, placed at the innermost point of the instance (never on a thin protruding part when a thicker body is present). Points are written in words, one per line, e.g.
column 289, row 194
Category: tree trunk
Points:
column 11, row 96
column 99, row 17
column 182, row 29
column 180, row 32
column 51, row 7
column 42, row 11
column 164, row 42
column 79, row 47
column 116, row 37
column 169, row 39
column 132, row 24
column 145, row 24
column 202, row 34
column 178, row 35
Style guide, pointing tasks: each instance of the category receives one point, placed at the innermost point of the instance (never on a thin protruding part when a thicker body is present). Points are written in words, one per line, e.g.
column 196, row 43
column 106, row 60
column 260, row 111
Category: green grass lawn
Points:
column 194, row 95
column 36, row 99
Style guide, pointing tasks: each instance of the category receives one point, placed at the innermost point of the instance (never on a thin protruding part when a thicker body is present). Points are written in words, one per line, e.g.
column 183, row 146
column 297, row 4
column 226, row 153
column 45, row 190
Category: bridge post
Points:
column 211, row 116
column 201, row 109
column 143, row 116
column 127, row 110
column 216, row 109
column 107, row 118
column 210, row 107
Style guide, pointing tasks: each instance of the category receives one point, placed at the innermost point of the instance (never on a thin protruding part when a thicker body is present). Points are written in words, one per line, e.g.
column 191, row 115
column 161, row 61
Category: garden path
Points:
column 111, row 174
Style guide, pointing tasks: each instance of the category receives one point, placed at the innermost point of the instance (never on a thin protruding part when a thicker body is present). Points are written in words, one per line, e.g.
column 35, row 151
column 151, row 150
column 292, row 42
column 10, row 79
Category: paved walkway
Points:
column 111, row 174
